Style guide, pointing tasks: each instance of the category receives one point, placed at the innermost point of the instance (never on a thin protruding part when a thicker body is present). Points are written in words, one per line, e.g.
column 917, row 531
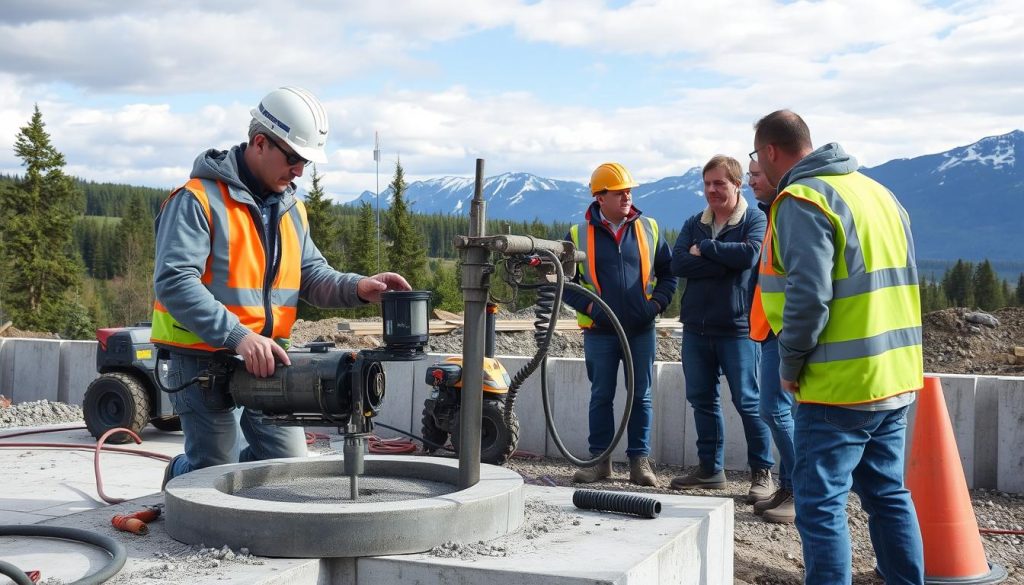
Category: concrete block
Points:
column 35, row 369
column 986, row 432
column 1010, row 456
column 6, row 366
column 77, row 370
column 690, row 543
column 670, row 414
column 570, row 405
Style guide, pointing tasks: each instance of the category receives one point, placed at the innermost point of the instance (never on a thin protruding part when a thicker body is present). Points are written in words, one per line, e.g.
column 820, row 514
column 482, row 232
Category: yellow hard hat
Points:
column 611, row 177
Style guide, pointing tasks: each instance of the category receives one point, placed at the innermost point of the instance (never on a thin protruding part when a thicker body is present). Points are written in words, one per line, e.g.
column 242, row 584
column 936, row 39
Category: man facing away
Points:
column 839, row 287
column 629, row 266
column 776, row 404
column 233, row 258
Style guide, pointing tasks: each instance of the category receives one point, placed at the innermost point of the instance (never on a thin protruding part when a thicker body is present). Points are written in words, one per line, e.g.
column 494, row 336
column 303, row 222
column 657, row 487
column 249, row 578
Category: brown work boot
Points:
column 777, row 498
column 761, row 485
column 592, row 474
column 699, row 479
column 784, row 513
column 641, row 473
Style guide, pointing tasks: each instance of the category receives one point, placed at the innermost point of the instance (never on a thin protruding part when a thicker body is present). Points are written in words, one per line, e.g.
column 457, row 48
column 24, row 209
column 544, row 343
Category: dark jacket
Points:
column 720, row 282
column 618, row 273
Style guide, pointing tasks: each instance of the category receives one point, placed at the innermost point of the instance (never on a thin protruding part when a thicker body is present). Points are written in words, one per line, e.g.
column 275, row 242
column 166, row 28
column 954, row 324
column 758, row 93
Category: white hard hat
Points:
column 297, row 117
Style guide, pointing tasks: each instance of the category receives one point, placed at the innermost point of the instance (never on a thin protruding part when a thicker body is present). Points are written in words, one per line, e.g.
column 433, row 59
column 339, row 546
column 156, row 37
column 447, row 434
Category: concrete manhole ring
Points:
column 289, row 507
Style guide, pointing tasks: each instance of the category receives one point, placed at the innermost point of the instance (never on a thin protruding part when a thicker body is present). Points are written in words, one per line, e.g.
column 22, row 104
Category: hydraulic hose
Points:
column 627, row 368
column 549, row 304
column 118, row 554
column 616, row 502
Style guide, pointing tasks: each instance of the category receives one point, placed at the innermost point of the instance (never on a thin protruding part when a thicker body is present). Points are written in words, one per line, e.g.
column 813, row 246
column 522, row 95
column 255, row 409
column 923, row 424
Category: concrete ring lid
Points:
column 202, row 508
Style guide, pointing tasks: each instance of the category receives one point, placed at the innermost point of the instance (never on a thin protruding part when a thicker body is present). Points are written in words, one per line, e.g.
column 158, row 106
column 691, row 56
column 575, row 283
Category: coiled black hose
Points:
column 549, row 304
column 616, row 502
column 117, row 551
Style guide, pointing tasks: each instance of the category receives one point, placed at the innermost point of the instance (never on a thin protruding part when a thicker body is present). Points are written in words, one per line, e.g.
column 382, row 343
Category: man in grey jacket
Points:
column 233, row 258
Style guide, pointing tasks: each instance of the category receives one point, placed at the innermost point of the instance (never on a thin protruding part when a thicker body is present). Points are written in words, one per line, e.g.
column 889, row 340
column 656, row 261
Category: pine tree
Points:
column 41, row 272
column 362, row 242
column 987, row 292
column 325, row 231
column 407, row 254
column 958, row 284
column 1020, row 290
column 131, row 291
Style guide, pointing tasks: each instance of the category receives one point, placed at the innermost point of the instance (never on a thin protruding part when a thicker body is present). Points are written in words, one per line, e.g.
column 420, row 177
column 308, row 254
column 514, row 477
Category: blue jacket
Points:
column 618, row 272
column 720, row 282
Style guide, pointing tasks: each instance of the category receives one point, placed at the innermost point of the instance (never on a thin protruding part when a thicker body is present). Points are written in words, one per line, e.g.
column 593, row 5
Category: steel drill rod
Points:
column 474, row 292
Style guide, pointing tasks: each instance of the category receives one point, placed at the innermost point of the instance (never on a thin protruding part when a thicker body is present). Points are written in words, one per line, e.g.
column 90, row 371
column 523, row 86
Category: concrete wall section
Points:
column 77, row 370
column 1010, row 458
column 529, row 406
column 671, row 414
column 986, row 433
column 35, row 365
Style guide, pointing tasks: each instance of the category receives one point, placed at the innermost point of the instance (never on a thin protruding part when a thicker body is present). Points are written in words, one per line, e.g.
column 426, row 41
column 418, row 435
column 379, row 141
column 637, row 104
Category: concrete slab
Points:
column 670, row 415
column 33, row 375
column 986, row 432
column 77, row 369
column 691, row 542
column 1010, row 474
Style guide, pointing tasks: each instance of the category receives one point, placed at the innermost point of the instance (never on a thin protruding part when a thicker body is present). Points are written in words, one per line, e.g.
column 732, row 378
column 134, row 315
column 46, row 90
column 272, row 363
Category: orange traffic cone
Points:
column 953, row 552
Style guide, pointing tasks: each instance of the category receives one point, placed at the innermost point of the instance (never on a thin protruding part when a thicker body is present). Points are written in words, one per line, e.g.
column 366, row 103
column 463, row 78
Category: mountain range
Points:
column 967, row 202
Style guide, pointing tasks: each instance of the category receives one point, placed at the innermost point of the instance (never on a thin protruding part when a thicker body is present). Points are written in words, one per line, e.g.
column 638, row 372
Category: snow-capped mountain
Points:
column 966, row 203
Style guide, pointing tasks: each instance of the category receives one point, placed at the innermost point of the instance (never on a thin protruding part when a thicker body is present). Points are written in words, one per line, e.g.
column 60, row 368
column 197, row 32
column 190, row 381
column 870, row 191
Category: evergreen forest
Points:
column 76, row 255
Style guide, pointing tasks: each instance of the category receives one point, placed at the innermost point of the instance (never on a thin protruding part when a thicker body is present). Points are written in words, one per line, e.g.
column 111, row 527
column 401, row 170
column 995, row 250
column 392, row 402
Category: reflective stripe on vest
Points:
column 870, row 349
column 646, row 230
column 236, row 269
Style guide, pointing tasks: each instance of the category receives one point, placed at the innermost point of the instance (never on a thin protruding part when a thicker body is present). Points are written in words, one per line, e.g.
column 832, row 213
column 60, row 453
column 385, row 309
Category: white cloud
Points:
column 887, row 78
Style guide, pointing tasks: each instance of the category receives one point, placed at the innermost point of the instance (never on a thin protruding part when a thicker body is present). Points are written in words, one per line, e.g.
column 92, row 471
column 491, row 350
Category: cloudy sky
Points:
column 131, row 92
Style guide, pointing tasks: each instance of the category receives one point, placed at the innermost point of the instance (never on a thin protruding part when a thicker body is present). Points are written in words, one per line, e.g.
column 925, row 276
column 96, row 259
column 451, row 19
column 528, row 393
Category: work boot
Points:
column 640, row 472
column 699, row 479
column 592, row 474
column 761, row 485
column 777, row 498
column 784, row 513
column 169, row 470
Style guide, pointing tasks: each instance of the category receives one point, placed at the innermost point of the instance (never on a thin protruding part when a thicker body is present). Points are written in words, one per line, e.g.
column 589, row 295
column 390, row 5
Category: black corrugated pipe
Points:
column 616, row 502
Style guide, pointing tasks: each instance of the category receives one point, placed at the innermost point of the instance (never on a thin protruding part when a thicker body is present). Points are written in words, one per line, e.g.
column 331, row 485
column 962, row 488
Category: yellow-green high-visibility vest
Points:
column 647, row 241
column 870, row 348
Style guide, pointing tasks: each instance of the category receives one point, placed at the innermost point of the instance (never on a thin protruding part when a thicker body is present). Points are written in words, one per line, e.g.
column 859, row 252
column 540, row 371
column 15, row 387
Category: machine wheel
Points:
column 430, row 430
column 166, row 423
column 497, row 440
column 116, row 400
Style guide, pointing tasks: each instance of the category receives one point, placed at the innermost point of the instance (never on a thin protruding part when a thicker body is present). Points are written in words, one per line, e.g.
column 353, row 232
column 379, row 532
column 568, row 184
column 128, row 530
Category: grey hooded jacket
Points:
column 183, row 245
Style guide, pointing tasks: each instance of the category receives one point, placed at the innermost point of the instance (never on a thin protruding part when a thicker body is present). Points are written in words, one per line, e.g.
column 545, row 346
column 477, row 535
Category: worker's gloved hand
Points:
column 261, row 355
column 370, row 288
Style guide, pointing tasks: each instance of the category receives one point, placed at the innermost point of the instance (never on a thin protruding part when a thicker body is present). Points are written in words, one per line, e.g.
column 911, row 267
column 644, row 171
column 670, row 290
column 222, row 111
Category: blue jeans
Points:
column 777, row 410
column 705, row 357
column 838, row 448
column 603, row 356
column 211, row 426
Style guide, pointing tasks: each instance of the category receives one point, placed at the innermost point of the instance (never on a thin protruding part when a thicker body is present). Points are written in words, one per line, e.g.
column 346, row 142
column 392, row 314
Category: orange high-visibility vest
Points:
column 236, row 269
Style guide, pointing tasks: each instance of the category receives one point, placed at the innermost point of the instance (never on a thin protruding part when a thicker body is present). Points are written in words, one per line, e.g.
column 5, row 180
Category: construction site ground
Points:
column 765, row 553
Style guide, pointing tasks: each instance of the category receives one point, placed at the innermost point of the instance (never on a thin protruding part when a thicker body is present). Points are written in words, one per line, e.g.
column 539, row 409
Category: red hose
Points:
column 397, row 446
